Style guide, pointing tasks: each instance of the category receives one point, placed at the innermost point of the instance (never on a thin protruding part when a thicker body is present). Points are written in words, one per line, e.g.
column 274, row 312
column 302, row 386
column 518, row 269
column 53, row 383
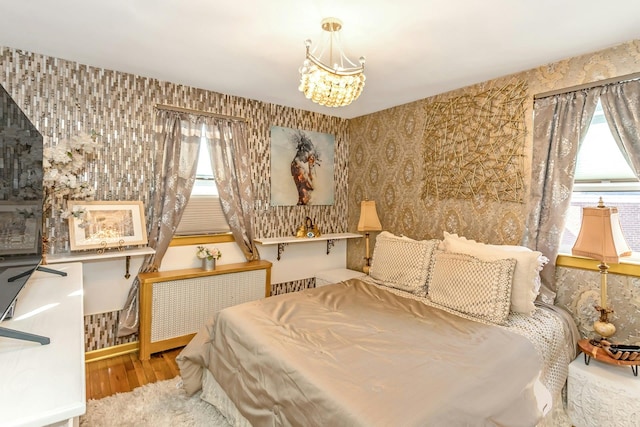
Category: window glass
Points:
column 204, row 185
column 203, row 213
column 602, row 171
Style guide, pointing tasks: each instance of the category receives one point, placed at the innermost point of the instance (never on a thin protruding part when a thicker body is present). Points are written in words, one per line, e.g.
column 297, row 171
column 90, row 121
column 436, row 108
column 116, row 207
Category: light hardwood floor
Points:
column 121, row 374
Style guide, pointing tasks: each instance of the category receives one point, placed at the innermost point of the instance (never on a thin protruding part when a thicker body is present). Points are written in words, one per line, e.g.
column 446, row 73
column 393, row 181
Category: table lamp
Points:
column 601, row 238
column 368, row 222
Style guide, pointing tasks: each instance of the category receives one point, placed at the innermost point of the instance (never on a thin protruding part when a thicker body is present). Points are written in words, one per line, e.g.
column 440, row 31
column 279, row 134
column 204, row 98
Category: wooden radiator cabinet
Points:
column 194, row 295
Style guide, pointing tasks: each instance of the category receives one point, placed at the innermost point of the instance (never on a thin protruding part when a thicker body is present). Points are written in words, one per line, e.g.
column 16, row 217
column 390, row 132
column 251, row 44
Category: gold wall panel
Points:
column 473, row 144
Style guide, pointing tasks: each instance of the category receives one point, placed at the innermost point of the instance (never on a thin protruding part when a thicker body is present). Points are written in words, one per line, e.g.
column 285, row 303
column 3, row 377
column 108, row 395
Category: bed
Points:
column 436, row 335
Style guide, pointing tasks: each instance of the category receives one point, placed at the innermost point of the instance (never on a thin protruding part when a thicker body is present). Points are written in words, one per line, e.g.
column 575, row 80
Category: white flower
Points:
column 207, row 253
column 63, row 166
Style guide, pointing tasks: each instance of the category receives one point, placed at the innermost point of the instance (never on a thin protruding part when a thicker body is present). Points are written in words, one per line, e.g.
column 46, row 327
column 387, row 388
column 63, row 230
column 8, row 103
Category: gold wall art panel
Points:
column 473, row 144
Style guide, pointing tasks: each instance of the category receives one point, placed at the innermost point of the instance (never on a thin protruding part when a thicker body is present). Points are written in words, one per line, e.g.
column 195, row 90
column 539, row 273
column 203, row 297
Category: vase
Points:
column 208, row 264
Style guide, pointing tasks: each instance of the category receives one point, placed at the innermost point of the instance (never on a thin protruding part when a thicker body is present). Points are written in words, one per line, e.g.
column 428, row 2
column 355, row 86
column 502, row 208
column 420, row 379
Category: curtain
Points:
column 177, row 143
column 621, row 106
column 560, row 124
column 229, row 150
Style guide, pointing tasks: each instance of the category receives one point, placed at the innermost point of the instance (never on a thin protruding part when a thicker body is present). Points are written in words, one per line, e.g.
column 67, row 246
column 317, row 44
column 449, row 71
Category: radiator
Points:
column 174, row 305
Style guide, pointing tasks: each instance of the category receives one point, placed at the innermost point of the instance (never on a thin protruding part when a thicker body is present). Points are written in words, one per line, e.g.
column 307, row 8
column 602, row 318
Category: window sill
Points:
column 202, row 239
column 628, row 266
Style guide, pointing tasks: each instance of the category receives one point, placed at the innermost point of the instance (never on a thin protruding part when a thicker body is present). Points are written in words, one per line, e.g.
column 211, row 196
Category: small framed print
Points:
column 106, row 224
column 19, row 228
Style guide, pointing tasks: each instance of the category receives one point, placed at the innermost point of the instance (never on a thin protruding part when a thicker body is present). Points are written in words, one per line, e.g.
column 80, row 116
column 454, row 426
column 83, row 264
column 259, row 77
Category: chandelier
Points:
column 334, row 85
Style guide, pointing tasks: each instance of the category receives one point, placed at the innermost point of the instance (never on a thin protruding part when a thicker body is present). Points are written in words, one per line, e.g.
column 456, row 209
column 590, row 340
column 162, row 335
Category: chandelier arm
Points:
column 345, row 72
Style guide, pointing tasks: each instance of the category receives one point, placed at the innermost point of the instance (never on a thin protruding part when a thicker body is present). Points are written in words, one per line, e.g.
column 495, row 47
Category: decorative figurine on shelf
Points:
column 208, row 257
column 308, row 229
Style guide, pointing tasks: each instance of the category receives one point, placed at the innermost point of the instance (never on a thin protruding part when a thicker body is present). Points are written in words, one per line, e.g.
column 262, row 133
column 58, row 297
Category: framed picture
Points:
column 106, row 224
column 19, row 228
column 301, row 167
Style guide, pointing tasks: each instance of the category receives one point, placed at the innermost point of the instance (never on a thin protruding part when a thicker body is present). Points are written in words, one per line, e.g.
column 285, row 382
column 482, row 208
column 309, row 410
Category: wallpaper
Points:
column 63, row 98
column 386, row 165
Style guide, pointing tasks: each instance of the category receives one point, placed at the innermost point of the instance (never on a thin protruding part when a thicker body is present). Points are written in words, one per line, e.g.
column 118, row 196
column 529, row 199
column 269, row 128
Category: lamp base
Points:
column 604, row 329
column 602, row 326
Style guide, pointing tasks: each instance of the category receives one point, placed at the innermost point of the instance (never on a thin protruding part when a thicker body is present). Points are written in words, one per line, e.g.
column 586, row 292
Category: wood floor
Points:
column 121, row 374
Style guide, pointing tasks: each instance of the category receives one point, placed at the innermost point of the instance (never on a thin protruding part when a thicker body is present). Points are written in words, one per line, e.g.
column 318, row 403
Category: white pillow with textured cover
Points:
column 481, row 289
column 401, row 262
column 526, row 279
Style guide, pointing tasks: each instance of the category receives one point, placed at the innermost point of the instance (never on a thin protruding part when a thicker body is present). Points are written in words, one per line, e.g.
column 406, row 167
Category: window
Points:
column 602, row 171
column 203, row 214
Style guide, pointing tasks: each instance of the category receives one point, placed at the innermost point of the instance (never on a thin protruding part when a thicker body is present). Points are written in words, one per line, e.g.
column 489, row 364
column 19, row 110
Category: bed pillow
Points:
column 401, row 262
column 526, row 279
column 466, row 284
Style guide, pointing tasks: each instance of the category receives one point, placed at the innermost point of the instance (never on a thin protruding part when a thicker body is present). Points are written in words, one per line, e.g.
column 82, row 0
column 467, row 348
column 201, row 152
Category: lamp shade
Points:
column 369, row 217
column 600, row 235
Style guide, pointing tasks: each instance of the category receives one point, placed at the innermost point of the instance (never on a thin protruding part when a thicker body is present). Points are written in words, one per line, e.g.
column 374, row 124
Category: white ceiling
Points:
column 253, row 49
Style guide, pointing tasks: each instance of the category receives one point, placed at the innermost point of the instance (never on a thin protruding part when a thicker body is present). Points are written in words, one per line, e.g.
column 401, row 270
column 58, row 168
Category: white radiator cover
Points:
column 182, row 307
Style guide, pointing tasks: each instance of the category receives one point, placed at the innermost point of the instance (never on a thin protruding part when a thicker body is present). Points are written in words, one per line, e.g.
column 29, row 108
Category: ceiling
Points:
column 253, row 49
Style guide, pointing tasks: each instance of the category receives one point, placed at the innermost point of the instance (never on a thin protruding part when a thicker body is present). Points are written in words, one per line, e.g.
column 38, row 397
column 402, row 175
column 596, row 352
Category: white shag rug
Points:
column 164, row 403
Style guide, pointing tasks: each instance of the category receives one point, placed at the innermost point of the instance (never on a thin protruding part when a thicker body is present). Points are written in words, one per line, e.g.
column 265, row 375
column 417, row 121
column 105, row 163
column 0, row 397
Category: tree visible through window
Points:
column 603, row 171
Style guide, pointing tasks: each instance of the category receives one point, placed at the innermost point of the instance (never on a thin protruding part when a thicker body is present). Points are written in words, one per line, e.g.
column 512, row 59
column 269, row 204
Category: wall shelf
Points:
column 95, row 256
column 283, row 241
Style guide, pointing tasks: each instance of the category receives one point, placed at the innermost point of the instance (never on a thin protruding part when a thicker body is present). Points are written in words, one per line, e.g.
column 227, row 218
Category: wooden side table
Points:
column 591, row 351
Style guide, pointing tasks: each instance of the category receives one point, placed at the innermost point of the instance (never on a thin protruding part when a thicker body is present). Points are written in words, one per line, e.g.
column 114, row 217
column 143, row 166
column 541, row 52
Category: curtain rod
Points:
column 588, row 85
column 197, row 112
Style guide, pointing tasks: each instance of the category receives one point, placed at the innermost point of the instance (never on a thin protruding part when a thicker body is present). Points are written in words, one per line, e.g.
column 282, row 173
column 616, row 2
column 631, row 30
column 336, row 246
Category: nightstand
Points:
column 600, row 394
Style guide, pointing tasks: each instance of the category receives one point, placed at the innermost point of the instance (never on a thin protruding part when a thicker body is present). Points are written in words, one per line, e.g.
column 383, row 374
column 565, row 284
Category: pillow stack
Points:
column 466, row 284
column 402, row 263
column 476, row 279
column 526, row 277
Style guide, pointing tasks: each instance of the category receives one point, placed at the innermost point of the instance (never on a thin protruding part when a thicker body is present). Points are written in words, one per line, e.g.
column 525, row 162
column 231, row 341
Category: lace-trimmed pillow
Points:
column 466, row 284
column 402, row 263
column 526, row 279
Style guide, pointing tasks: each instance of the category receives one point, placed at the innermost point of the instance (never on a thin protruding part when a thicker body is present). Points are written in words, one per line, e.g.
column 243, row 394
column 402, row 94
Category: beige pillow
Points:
column 526, row 279
column 401, row 262
column 481, row 289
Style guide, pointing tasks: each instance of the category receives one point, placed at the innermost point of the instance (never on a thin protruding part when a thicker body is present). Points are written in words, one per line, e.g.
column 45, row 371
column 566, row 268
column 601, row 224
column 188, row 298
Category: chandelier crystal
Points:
column 333, row 85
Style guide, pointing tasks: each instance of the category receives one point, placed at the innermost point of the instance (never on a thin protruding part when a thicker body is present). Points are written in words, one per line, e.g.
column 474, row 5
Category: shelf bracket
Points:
column 330, row 244
column 281, row 249
column 127, row 265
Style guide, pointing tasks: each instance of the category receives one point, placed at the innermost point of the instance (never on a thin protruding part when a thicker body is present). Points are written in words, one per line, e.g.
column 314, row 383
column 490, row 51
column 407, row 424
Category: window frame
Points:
column 202, row 239
column 600, row 187
column 205, row 238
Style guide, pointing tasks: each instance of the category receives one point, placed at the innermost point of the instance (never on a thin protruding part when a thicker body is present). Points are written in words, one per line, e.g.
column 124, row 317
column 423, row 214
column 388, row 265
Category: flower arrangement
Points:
column 207, row 253
column 63, row 167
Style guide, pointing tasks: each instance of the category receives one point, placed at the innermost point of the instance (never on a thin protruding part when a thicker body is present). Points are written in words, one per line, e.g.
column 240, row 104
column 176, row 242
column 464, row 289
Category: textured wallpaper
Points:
column 386, row 165
column 63, row 98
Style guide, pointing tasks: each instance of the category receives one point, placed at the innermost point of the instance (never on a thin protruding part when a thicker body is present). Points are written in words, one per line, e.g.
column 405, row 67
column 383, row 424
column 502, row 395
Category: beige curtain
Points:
column 621, row 106
column 177, row 138
column 228, row 146
column 560, row 124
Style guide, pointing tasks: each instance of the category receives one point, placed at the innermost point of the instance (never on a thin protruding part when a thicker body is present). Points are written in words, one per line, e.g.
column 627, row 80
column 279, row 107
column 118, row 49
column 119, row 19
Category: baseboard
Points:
column 106, row 353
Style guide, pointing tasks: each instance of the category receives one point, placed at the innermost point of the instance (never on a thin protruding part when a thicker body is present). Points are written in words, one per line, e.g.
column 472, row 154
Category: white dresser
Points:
column 600, row 395
column 45, row 384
